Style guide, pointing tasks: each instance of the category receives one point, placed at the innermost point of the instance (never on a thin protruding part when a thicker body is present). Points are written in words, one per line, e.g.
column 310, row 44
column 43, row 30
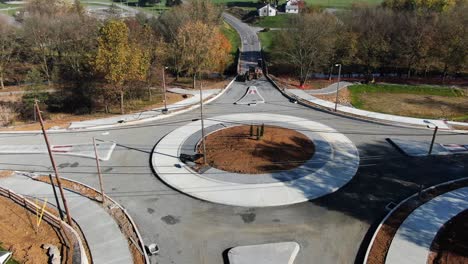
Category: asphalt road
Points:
column 329, row 229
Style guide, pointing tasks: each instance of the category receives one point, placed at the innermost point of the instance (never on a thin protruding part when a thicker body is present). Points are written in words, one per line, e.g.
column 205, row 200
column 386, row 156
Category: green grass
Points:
column 340, row 3
column 266, row 39
column 421, row 101
column 231, row 34
column 11, row 261
column 408, row 89
column 322, row 3
column 279, row 21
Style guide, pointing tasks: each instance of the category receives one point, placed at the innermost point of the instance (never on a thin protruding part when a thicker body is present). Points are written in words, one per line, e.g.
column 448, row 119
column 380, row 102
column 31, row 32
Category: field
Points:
column 266, row 40
column 279, row 21
column 322, row 3
column 340, row 3
column 417, row 101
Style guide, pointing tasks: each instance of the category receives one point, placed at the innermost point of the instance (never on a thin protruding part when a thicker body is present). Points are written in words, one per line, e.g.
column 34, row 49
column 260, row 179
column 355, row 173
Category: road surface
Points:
column 329, row 229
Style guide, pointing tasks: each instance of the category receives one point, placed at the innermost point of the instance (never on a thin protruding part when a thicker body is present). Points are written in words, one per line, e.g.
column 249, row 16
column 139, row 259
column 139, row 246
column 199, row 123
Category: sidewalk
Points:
column 109, row 121
column 105, row 240
column 414, row 237
column 330, row 89
column 300, row 94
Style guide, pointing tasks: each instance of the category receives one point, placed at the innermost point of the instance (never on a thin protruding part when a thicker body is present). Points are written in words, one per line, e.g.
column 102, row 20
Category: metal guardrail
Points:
column 70, row 236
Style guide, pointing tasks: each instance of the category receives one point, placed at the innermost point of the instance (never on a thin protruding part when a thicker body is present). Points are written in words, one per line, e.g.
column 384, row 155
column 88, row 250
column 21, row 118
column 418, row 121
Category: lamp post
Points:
column 337, row 85
column 431, row 125
column 202, row 124
column 164, row 111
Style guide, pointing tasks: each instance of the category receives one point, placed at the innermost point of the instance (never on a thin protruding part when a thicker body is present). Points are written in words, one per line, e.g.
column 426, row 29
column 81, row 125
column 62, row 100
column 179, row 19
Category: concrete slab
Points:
column 272, row 253
column 331, row 89
column 251, row 97
column 412, row 242
column 421, row 148
column 104, row 149
column 340, row 166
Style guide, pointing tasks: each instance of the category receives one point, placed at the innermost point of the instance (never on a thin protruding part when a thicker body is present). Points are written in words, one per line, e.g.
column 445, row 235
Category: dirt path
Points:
column 18, row 234
column 234, row 150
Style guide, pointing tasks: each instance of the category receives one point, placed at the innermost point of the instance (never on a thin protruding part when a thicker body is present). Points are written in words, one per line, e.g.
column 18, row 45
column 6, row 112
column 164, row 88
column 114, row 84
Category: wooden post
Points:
column 98, row 165
column 52, row 160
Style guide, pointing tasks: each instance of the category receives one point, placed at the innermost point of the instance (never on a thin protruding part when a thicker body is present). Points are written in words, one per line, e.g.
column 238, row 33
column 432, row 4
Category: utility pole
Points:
column 52, row 160
column 164, row 87
column 337, row 85
column 99, row 171
column 202, row 124
column 56, row 197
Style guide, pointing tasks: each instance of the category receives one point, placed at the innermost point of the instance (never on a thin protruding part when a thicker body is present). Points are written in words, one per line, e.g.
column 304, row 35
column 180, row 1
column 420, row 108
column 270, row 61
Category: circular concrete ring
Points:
column 337, row 170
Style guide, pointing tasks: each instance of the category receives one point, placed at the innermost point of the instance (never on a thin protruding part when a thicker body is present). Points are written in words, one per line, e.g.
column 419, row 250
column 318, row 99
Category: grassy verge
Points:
column 420, row 101
column 279, row 21
column 266, row 39
column 341, row 3
column 10, row 261
column 231, row 34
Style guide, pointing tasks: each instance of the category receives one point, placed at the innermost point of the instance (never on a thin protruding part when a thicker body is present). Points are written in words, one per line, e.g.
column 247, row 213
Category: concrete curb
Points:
column 195, row 106
column 377, row 230
column 142, row 244
column 343, row 114
column 284, row 189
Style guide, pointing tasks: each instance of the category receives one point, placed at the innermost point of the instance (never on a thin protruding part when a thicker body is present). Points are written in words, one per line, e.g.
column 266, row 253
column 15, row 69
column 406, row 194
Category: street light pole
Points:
column 164, row 87
column 202, row 124
column 52, row 160
column 337, row 85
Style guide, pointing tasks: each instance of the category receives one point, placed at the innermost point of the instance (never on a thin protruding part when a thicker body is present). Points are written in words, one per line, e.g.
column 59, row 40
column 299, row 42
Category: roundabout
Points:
column 334, row 162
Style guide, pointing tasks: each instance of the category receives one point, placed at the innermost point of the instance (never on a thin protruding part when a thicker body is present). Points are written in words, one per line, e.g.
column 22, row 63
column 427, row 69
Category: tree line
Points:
column 96, row 64
column 400, row 37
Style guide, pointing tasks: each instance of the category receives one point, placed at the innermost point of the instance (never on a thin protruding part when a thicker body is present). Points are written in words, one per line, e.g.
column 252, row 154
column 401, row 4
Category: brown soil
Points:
column 451, row 242
column 6, row 173
column 116, row 212
column 233, row 149
column 343, row 97
column 424, row 106
column 18, row 233
column 293, row 83
column 383, row 239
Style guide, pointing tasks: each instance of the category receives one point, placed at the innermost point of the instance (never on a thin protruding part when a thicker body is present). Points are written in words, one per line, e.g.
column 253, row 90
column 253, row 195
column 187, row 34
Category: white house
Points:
column 267, row 10
column 292, row 7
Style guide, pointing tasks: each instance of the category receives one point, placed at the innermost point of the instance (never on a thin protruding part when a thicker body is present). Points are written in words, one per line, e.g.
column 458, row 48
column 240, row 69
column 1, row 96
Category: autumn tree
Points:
column 201, row 48
column 117, row 59
column 371, row 28
column 419, row 5
column 451, row 40
column 7, row 47
column 309, row 45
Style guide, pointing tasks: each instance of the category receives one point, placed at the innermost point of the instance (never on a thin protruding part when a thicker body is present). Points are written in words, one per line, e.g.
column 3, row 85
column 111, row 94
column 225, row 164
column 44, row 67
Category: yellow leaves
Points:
column 117, row 58
column 201, row 47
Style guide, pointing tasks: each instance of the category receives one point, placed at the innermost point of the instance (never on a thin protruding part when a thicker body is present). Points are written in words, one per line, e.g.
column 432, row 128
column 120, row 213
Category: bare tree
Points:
column 7, row 47
column 309, row 45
